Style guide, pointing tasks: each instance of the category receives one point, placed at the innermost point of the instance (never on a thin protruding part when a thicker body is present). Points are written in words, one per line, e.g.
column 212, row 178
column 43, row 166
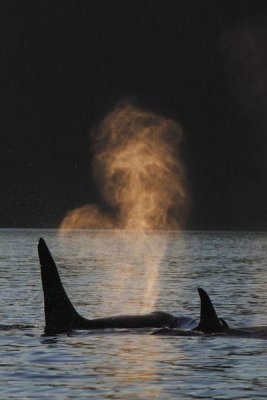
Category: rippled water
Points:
column 108, row 273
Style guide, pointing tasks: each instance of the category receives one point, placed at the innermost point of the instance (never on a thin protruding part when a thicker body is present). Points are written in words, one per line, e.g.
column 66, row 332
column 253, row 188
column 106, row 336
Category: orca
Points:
column 209, row 322
column 61, row 316
column 211, row 325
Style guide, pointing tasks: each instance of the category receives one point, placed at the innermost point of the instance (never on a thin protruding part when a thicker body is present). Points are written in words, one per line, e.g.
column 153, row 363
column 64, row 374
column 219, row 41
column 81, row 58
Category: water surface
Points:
column 107, row 273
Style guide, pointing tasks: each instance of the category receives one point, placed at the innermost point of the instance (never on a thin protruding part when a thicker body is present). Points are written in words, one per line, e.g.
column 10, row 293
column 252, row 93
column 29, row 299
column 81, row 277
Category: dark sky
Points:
column 66, row 63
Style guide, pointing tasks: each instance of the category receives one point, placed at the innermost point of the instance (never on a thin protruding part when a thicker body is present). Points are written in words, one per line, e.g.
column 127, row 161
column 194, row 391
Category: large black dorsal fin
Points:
column 209, row 321
column 60, row 315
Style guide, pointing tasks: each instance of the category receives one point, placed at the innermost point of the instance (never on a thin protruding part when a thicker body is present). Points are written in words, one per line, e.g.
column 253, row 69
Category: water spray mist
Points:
column 139, row 174
column 141, row 178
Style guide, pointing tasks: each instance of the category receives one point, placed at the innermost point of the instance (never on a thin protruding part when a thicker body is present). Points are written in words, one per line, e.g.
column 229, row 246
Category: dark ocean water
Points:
column 106, row 272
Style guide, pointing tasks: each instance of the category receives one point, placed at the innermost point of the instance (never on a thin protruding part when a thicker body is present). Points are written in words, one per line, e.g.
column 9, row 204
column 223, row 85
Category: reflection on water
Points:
column 230, row 266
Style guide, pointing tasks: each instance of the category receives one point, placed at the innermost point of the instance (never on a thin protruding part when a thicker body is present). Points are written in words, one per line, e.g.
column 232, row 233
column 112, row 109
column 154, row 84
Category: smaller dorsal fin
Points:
column 209, row 321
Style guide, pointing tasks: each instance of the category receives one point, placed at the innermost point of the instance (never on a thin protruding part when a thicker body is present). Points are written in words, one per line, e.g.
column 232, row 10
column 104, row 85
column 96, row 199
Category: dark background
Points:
column 65, row 64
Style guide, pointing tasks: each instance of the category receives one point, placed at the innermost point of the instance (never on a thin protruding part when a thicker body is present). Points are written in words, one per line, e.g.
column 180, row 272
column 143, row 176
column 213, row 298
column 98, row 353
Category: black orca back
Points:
column 61, row 316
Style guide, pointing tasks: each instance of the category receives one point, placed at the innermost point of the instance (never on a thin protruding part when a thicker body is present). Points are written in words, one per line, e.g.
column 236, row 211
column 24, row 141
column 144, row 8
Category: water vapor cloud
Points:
column 139, row 174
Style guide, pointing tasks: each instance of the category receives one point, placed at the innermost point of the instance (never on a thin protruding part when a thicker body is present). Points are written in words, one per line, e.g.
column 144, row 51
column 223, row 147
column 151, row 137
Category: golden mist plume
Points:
column 138, row 172
column 141, row 179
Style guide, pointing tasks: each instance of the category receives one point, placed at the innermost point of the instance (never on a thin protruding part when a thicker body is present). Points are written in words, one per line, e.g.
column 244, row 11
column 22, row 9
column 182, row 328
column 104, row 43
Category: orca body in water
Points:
column 15, row 327
column 210, row 324
column 61, row 316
